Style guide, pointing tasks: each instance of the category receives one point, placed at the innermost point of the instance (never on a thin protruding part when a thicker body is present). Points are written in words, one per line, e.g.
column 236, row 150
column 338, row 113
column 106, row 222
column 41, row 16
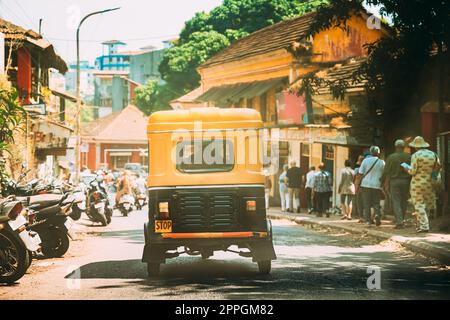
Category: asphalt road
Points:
column 104, row 263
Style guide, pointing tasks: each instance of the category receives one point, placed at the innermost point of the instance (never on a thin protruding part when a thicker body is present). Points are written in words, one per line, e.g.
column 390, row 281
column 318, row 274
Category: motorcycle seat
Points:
column 45, row 200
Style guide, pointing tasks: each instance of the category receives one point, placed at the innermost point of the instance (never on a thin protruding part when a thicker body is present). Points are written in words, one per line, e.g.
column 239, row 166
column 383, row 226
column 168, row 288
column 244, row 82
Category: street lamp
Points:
column 78, row 114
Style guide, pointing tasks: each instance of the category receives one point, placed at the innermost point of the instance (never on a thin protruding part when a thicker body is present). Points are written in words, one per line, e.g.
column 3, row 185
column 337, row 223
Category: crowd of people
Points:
column 362, row 187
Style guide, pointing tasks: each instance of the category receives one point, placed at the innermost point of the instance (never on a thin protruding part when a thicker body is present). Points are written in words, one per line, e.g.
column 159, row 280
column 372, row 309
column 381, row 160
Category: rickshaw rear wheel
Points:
column 153, row 269
column 265, row 266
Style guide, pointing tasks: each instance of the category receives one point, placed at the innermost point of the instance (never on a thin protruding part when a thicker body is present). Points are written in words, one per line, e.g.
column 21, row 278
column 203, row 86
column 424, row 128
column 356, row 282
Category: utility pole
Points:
column 78, row 114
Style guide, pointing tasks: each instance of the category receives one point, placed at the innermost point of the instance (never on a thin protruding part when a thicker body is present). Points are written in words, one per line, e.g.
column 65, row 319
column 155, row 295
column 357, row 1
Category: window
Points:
column 305, row 150
column 329, row 152
column 263, row 104
column 250, row 103
column 203, row 156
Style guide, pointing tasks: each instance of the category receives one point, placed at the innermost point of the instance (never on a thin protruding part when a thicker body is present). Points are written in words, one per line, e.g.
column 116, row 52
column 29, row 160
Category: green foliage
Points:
column 398, row 65
column 153, row 97
column 207, row 33
column 179, row 63
column 11, row 115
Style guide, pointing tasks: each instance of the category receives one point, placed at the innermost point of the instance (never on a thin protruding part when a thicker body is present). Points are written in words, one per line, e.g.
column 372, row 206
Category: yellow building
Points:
column 260, row 71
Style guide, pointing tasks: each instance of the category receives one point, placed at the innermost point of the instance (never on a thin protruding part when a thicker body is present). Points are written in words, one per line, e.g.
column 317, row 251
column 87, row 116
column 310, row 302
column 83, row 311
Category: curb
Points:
column 437, row 252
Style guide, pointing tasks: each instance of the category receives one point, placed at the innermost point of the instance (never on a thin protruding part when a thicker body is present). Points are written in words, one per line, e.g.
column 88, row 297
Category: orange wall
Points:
column 337, row 44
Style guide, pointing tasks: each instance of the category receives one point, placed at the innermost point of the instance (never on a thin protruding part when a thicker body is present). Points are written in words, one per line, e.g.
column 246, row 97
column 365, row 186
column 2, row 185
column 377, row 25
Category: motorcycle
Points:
column 16, row 242
column 141, row 200
column 126, row 202
column 50, row 218
column 140, row 192
column 98, row 206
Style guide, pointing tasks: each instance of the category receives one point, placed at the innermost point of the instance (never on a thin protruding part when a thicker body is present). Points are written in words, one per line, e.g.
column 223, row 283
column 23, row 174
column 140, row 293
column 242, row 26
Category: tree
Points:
column 153, row 97
column 398, row 64
column 11, row 116
column 179, row 63
column 207, row 33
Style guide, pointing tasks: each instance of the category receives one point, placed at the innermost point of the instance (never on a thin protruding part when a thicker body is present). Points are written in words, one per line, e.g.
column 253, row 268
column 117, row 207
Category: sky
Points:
column 138, row 23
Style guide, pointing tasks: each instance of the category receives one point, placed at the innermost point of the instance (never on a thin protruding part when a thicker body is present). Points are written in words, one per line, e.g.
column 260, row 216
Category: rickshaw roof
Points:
column 211, row 118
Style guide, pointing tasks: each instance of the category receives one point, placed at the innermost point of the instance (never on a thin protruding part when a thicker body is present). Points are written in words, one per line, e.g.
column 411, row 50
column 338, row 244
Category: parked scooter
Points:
column 98, row 206
column 125, row 206
column 48, row 215
column 16, row 242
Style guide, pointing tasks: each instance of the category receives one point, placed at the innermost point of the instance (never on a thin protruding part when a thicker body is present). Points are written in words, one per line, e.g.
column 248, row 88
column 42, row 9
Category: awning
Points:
column 120, row 154
column 65, row 95
column 235, row 92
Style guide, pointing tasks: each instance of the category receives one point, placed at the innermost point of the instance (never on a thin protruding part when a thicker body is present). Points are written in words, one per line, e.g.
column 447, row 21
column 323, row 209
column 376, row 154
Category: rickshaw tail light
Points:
column 164, row 208
column 251, row 205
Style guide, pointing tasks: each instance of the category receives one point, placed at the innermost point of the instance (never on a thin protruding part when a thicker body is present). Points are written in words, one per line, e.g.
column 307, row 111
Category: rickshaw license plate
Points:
column 163, row 226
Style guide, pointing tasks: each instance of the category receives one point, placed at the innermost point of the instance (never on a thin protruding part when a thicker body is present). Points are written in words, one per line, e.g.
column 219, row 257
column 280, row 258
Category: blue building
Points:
column 144, row 65
column 111, row 58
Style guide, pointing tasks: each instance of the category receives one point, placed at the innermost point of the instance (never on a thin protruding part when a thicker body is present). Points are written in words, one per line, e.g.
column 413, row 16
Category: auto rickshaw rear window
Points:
column 205, row 156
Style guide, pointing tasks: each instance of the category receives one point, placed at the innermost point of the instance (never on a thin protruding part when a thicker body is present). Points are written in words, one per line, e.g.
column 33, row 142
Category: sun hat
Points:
column 419, row 142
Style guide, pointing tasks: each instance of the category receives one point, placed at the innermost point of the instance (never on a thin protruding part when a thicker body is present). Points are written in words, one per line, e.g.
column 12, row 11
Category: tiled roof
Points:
column 278, row 36
column 191, row 96
column 12, row 31
column 339, row 72
column 126, row 126
column 49, row 57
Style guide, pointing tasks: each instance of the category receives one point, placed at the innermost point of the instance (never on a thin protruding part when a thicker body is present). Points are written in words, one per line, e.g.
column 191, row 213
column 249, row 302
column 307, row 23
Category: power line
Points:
column 25, row 13
column 101, row 40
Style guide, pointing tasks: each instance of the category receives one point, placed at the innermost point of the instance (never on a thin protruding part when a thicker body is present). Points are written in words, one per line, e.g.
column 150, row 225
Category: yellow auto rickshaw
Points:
column 206, row 186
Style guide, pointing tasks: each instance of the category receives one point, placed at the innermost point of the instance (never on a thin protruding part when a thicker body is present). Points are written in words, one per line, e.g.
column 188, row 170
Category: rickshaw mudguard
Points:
column 152, row 253
column 263, row 249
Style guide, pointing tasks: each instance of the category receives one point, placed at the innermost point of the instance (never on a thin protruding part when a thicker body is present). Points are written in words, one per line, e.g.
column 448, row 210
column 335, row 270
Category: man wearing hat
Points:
column 396, row 181
column 423, row 196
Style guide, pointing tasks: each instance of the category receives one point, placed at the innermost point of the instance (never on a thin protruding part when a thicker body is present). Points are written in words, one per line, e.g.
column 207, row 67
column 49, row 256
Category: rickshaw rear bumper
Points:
column 258, row 242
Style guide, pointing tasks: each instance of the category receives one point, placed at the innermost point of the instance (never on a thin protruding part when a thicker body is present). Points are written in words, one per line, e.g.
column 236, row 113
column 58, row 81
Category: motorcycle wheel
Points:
column 124, row 212
column 30, row 258
column 76, row 214
column 57, row 246
column 13, row 258
column 108, row 214
column 102, row 219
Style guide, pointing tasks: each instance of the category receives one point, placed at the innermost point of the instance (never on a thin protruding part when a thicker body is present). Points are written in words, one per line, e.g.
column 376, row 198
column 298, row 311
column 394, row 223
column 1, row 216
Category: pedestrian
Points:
column 371, row 171
column 358, row 208
column 309, row 189
column 267, row 190
column 294, row 182
column 322, row 187
column 347, row 190
column 283, row 188
column 423, row 163
column 396, row 182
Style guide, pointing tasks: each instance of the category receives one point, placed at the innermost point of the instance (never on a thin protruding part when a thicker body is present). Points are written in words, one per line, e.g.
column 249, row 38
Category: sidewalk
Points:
column 434, row 245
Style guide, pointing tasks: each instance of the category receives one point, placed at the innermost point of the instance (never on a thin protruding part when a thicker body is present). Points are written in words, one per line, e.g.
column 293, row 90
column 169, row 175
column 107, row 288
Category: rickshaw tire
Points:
column 265, row 266
column 153, row 269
